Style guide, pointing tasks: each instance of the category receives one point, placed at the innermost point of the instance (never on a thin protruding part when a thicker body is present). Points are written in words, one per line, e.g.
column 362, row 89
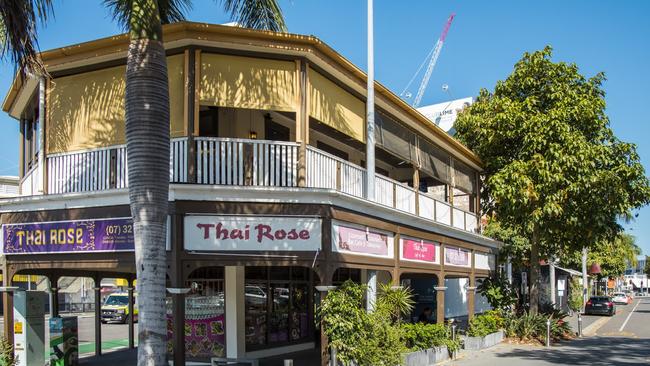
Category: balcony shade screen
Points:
column 395, row 138
column 176, row 75
column 335, row 107
column 86, row 111
column 465, row 177
column 433, row 160
column 246, row 82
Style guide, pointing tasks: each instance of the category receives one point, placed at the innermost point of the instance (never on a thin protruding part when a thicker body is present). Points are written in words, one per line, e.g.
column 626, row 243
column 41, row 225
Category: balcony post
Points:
column 42, row 169
column 302, row 119
column 416, row 185
column 192, row 67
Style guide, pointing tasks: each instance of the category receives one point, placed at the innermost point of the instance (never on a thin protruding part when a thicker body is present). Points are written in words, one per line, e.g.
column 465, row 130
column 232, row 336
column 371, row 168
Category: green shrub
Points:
column 421, row 336
column 527, row 326
column 575, row 297
column 487, row 323
column 368, row 339
column 7, row 357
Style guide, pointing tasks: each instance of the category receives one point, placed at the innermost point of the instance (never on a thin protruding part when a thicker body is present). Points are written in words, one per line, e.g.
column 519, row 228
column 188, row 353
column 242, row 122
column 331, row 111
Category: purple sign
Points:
column 94, row 235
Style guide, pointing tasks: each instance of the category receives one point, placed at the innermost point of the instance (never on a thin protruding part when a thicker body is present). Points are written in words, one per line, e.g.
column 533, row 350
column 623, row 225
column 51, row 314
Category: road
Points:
column 623, row 339
column 113, row 335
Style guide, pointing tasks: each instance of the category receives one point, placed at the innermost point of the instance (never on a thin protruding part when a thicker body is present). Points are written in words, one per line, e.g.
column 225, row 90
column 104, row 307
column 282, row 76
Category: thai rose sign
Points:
column 246, row 233
column 419, row 250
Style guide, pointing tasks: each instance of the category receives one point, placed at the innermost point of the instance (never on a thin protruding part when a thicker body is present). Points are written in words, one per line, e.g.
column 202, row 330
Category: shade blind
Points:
column 433, row 160
column 395, row 138
column 335, row 107
column 247, row 82
column 465, row 177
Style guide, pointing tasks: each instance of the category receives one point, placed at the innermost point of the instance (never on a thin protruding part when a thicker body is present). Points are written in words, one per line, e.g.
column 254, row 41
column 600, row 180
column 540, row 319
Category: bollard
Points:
column 453, row 336
column 288, row 362
column 579, row 325
column 548, row 332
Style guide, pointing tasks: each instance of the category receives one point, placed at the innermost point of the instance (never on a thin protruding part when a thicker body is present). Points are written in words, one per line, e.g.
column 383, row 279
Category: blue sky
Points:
column 485, row 40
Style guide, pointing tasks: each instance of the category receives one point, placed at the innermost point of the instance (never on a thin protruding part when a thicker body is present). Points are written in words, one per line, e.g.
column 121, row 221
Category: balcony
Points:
column 244, row 162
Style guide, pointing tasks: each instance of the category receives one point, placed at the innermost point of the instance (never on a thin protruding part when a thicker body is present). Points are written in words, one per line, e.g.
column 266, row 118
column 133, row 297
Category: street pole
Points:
column 370, row 111
column 584, row 278
column 551, row 277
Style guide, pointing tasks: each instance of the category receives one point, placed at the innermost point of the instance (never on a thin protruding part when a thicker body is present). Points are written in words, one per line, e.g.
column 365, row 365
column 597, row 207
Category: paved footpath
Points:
column 623, row 339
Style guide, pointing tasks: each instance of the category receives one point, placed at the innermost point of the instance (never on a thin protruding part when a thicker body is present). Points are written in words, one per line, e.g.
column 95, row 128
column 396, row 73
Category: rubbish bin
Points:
column 64, row 341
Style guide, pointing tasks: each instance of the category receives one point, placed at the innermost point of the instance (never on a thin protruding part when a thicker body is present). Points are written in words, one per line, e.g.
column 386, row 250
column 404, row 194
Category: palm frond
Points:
column 256, row 14
column 18, row 33
column 170, row 10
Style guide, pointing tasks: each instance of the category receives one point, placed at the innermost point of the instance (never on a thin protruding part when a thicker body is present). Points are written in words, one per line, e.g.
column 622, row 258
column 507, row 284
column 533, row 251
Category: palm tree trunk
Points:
column 147, row 144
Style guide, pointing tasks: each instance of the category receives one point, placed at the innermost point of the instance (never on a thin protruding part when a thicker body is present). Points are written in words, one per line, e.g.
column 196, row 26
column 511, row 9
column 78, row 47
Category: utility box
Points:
column 64, row 341
column 29, row 327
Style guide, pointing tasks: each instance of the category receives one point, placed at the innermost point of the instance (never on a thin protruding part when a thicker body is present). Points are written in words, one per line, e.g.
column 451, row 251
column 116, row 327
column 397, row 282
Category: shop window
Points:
column 277, row 306
column 204, row 315
column 343, row 274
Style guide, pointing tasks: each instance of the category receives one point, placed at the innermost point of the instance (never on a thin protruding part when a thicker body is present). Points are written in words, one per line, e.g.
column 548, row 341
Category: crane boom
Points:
column 432, row 62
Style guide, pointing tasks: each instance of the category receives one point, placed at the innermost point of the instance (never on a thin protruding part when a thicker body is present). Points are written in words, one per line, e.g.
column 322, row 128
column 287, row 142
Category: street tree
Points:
column 554, row 170
column 147, row 126
column 613, row 256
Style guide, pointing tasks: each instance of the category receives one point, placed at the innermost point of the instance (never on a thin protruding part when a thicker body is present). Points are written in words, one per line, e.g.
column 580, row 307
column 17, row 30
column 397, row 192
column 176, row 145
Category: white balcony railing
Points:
column 243, row 162
column 246, row 162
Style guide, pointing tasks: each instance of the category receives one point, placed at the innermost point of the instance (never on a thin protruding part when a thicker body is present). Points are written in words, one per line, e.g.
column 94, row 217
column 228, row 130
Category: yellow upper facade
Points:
column 232, row 67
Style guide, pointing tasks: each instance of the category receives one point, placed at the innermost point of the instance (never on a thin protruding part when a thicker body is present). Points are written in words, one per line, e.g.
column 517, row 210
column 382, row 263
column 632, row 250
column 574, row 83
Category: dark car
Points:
column 600, row 305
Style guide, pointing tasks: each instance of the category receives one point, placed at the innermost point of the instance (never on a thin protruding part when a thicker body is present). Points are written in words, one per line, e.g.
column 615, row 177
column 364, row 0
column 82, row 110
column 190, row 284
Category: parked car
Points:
column 600, row 305
column 116, row 308
column 620, row 298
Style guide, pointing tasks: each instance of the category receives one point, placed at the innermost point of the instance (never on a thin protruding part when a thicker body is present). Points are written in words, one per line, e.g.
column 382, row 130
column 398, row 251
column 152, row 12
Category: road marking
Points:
column 628, row 317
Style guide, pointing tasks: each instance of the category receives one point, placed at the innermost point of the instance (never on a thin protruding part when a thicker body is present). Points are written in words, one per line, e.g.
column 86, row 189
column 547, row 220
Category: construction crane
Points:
column 432, row 63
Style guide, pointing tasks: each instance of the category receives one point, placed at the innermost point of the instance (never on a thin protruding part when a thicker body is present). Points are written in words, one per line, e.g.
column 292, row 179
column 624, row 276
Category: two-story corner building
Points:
column 267, row 201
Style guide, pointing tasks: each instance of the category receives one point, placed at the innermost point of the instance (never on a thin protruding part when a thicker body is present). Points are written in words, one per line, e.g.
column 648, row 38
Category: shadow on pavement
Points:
column 589, row 351
column 123, row 357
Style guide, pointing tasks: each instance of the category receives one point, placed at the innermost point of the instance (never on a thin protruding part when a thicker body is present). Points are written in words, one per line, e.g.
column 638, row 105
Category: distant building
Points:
column 638, row 269
column 9, row 186
column 444, row 114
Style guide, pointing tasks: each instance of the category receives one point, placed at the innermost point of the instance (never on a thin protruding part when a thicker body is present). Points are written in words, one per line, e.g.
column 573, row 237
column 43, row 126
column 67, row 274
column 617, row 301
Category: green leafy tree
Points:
column 554, row 171
column 498, row 292
column 613, row 256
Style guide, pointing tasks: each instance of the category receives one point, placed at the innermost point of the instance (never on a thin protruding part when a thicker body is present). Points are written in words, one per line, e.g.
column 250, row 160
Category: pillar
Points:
column 371, row 292
column 471, row 291
column 54, row 296
column 509, row 270
column 98, row 317
column 7, row 303
column 178, row 341
column 302, row 120
column 235, row 303
column 440, row 301
column 131, row 315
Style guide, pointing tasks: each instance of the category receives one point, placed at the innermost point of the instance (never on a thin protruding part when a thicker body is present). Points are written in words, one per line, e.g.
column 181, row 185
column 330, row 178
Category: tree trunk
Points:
column 147, row 144
column 534, row 273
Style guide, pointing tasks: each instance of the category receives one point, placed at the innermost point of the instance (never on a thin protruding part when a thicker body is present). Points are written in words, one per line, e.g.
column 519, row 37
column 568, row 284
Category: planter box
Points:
column 426, row 357
column 477, row 343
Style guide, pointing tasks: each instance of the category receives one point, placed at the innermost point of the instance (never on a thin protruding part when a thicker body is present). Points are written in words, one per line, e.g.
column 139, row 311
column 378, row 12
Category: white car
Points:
column 619, row 298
